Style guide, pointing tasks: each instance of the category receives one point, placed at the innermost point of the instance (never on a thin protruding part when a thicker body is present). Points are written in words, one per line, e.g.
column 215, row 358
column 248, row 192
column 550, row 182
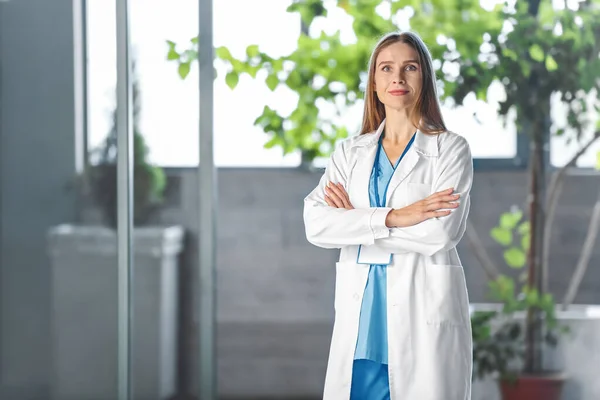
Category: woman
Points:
column 395, row 200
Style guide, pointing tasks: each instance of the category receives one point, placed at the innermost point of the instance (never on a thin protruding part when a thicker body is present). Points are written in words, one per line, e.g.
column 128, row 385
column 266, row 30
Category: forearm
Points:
column 331, row 227
column 427, row 237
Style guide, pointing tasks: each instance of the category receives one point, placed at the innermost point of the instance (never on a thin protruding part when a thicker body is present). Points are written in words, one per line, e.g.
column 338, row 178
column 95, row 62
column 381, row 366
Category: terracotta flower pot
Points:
column 533, row 387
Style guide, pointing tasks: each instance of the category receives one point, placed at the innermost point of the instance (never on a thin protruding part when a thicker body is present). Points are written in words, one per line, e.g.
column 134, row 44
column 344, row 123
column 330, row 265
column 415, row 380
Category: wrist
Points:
column 391, row 220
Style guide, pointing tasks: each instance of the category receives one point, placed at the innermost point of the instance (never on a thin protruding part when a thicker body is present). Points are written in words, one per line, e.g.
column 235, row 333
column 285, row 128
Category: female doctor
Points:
column 395, row 200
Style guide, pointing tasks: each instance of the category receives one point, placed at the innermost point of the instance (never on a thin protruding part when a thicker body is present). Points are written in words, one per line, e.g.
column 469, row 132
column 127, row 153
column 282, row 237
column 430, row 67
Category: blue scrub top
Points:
column 372, row 341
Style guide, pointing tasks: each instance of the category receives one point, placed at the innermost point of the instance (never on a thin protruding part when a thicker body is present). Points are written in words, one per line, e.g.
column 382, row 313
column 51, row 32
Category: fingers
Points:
column 330, row 202
column 333, row 193
column 337, row 196
column 440, row 200
column 438, row 205
column 437, row 214
column 443, row 193
column 346, row 196
column 343, row 195
column 333, row 199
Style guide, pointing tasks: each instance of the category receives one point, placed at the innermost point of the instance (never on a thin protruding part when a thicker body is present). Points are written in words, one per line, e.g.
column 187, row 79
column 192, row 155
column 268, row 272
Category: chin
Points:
column 398, row 105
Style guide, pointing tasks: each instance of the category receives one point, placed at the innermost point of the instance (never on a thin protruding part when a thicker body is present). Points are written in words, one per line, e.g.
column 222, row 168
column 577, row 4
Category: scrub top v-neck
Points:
column 372, row 343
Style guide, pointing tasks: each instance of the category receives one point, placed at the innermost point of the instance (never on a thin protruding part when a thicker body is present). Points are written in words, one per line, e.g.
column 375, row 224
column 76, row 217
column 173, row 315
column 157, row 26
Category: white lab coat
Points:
column 429, row 330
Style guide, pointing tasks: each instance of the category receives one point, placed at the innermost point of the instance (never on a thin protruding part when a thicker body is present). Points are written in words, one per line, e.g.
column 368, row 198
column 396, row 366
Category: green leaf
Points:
column 509, row 220
column 252, row 70
column 194, row 40
column 275, row 141
column 598, row 160
column 551, row 64
column 184, row 70
column 501, row 235
column 510, row 54
column 223, row 53
column 524, row 228
column 525, row 241
column 515, row 257
column 231, row 79
column 252, row 50
column 536, row 53
column 272, row 81
column 308, row 10
column 532, row 297
column 172, row 55
column 502, row 288
column 547, row 301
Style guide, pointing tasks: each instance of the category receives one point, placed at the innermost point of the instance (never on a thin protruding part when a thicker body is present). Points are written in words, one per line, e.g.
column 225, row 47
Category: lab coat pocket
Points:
column 445, row 295
column 416, row 192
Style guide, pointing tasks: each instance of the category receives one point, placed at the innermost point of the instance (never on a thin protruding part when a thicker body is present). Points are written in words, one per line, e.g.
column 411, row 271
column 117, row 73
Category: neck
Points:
column 398, row 126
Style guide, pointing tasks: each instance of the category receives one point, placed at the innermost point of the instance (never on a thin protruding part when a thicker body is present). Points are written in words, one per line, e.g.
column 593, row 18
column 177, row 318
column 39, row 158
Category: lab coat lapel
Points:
column 362, row 175
column 366, row 152
column 406, row 165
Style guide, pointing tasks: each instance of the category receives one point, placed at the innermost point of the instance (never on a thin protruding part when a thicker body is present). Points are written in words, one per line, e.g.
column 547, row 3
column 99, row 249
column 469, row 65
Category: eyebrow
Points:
column 391, row 62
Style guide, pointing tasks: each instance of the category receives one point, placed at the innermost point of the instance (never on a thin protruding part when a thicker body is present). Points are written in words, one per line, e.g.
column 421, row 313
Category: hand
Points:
column 437, row 205
column 336, row 196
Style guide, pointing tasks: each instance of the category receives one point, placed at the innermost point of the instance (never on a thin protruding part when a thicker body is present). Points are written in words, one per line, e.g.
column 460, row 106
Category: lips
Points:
column 398, row 92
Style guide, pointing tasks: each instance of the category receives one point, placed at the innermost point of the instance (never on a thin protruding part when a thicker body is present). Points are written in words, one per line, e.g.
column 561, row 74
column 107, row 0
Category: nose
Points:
column 399, row 80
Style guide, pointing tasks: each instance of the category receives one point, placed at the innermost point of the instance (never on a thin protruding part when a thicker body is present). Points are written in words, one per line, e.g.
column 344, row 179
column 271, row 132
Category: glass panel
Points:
column 476, row 120
column 563, row 147
column 165, row 126
column 168, row 117
column 58, row 258
column 480, row 124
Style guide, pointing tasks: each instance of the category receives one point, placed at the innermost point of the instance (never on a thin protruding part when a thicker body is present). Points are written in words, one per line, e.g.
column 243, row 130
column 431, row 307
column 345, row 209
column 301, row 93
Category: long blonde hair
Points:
column 426, row 114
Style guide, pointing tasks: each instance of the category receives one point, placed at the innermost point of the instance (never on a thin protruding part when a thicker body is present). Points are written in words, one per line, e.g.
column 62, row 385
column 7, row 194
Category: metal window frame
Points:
column 124, row 203
column 207, row 201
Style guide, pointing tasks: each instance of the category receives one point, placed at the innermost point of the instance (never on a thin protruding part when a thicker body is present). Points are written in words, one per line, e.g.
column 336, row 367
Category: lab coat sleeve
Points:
column 439, row 234
column 333, row 228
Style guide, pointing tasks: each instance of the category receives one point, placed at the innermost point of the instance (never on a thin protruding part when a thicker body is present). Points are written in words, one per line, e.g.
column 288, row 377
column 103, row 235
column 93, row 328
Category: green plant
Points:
column 100, row 178
column 499, row 346
column 473, row 47
column 495, row 349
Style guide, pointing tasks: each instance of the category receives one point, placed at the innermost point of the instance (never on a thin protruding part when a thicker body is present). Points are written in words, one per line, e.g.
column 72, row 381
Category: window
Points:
column 476, row 120
column 564, row 147
column 169, row 105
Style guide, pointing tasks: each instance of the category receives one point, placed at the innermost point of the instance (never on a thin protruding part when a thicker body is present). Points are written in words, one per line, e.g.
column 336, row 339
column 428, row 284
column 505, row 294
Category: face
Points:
column 398, row 78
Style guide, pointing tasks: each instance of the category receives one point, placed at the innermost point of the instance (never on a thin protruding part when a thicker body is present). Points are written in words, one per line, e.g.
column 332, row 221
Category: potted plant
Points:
column 499, row 344
column 99, row 183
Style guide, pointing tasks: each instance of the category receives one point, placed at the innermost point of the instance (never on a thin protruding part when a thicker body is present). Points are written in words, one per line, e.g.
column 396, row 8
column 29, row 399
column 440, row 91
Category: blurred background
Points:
column 518, row 79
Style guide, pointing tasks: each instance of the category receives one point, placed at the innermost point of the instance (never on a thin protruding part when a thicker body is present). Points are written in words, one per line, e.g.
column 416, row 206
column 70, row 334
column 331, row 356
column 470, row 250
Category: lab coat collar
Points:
column 424, row 143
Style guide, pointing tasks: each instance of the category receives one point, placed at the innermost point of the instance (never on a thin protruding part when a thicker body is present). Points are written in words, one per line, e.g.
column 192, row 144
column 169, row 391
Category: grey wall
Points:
column 36, row 162
column 261, row 232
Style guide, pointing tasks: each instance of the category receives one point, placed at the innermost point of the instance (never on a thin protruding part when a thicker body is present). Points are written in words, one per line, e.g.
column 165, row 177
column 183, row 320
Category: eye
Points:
column 411, row 67
column 386, row 68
